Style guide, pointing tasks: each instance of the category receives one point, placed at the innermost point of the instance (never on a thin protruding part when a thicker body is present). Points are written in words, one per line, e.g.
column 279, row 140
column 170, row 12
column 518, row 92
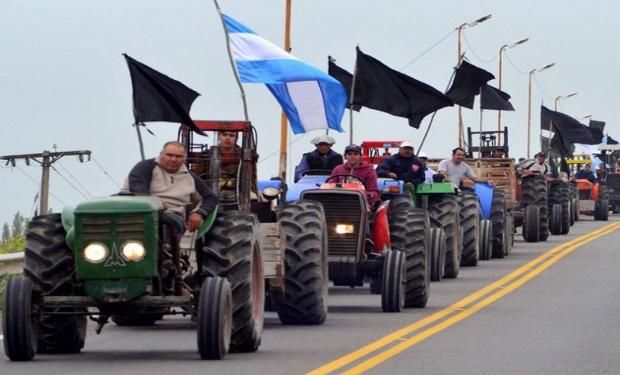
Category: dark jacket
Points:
column 582, row 174
column 403, row 167
column 317, row 161
column 176, row 190
column 366, row 173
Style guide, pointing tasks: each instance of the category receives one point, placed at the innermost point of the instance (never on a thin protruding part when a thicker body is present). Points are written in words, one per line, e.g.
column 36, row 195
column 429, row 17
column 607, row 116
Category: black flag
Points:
column 492, row 98
column 600, row 125
column 343, row 77
column 569, row 129
column 379, row 87
column 611, row 141
column 466, row 85
column 157, row 97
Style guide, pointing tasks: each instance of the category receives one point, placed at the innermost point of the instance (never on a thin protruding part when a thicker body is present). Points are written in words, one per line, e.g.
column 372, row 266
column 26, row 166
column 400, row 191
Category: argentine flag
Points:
column 311, row 98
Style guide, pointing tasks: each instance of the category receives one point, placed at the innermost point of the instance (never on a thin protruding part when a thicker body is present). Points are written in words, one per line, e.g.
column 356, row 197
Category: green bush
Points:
column 13, row 245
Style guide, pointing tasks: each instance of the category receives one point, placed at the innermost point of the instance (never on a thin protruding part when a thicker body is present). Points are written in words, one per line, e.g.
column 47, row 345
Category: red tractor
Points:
column 387, row 246
column 592, row 199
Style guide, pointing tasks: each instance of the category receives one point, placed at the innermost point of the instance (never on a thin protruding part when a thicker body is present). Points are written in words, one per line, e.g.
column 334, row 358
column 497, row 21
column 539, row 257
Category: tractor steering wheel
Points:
column 346, row 176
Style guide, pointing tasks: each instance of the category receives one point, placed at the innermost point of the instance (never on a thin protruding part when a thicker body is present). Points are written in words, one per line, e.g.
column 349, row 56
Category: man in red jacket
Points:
column 354, row 165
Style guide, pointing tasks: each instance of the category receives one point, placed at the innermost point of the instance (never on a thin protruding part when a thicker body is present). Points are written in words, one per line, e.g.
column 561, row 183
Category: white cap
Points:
column 422, row 155
column 323, row 139
column 406, row 144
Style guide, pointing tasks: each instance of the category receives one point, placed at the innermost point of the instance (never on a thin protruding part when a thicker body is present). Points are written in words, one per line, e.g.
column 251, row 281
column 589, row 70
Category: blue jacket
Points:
column 403, row 167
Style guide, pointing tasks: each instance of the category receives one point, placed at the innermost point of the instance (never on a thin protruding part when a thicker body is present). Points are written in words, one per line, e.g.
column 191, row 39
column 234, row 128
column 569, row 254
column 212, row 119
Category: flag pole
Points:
column 140, row 140
column 283, row 118
column 351, row 97
column 434, row 113
column 232, row 62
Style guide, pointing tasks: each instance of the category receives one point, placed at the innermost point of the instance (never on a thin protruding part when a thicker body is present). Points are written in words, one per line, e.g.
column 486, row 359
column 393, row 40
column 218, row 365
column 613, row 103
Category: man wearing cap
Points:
column 538, row 166
column 499, row 153
column 586, row 174
column 403, row 166
column 354, row 165
column 428, row 172
column 455, row 169
column 320, row 161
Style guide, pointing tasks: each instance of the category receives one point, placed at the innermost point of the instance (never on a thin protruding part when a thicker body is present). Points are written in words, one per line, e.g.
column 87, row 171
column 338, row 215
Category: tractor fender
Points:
column 381, row 229
column 207, row 223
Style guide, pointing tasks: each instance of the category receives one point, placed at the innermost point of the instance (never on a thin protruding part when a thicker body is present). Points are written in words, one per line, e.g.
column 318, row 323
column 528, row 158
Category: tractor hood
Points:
column 121, row 203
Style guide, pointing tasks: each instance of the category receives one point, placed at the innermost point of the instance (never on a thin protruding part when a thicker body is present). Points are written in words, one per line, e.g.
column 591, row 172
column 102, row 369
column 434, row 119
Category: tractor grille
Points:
column 584, row 194
column 342, row 207
column 103, row 226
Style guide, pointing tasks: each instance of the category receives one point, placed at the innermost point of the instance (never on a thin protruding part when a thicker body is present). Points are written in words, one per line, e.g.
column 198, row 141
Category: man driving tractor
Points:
column 354, row 166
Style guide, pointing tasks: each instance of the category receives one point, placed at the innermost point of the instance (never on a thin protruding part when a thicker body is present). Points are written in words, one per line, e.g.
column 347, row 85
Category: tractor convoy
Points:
column 274, row 246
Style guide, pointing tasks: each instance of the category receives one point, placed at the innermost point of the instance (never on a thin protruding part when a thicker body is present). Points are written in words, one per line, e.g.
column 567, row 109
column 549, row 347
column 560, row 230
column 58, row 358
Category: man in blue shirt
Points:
column 320, row 161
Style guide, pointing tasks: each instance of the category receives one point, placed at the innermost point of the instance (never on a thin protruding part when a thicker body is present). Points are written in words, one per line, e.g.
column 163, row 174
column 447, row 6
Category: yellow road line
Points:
column 500, row 288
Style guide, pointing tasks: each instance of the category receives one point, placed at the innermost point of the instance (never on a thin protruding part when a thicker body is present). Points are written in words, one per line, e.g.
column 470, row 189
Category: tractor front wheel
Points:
column 486, row 240
column 445, row 210
column 214, row 318
column 393, row 290
column 20, row 330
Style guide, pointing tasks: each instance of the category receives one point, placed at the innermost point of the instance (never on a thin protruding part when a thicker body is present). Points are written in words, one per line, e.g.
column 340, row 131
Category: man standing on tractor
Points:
column 586, row 174
column 320, row 161
column 428, row 171
column 360, row 169
column 537, row 166
column 167, row 178
column 403, row 166
column 455, row 169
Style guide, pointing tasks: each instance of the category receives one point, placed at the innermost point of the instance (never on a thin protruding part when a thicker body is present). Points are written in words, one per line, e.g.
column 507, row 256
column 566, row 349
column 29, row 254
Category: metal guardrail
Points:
column 11, row 263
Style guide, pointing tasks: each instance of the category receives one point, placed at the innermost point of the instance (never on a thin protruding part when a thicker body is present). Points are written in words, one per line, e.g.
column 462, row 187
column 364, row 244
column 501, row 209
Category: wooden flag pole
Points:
column 283, row 118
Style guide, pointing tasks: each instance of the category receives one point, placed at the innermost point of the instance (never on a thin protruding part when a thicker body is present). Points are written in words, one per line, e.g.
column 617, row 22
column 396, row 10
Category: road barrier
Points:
column 11, row 263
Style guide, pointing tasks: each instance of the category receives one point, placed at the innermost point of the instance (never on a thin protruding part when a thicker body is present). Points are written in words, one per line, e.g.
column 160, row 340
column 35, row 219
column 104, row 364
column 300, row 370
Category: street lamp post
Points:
column 501, row 60
column 459, row 30
column 558, row 98
column 529, row 103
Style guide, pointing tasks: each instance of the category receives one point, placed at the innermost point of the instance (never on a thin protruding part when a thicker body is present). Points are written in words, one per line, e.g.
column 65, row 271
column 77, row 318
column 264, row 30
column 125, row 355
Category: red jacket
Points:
column 366, row 173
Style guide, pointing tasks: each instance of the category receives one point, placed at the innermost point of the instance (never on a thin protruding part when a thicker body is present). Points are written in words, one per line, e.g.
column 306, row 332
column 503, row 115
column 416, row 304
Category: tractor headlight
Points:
column 344, row 228
column 133, row 251
column 95, row 252
column 270, row 193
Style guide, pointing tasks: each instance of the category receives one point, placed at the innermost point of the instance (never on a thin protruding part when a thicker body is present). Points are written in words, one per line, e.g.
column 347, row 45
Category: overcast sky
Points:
column 64, row 82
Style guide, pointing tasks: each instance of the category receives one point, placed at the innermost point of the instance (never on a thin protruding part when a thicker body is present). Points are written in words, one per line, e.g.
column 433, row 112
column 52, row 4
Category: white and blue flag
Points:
column 311, row 98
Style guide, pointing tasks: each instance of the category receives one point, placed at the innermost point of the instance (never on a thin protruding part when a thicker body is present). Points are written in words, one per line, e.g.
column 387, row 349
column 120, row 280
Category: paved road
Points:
column 558, row 314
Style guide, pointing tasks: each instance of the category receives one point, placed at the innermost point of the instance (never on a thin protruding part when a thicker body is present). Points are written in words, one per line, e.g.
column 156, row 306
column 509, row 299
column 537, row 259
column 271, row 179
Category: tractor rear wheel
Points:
column 486, row 241
column 535, row 193
column 531, row 218
column 393, row 290
column 470, row 222
column 445, row 209
column 498, row 217
column 231, row 250
column 214, row 318
column 305, row 260
column 50, row 265
column 438, row 253
column 18, row 326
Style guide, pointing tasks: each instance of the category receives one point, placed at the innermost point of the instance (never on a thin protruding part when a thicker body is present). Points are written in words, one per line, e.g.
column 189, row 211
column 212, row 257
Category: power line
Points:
column 541, row 89
column 515, row 66
column 38, row 185
column 105, row 172
column 69, row 182
column 428, row 49
column 486, row 61
column 73, row 178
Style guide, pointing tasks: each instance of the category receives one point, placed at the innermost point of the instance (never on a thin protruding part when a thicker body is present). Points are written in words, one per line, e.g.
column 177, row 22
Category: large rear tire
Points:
column 559, row 194
column 232, row 250
column 438, row 253
column 498, row 218
column 18, row 326
column 393, row 289
column 535, row 193
column 470, row 222
column 305, row 259
column 445, row 209
column 214, row 318
column 49, row 263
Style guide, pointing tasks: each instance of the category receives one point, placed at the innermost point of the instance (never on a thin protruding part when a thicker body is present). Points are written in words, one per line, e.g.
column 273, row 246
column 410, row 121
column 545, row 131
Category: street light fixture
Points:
column 459, row 30
column 501, row 59
column 558, row 98
column 529, row 102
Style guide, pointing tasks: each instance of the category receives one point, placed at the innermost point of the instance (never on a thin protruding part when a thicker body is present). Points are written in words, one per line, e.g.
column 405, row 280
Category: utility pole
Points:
column 45, row 160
